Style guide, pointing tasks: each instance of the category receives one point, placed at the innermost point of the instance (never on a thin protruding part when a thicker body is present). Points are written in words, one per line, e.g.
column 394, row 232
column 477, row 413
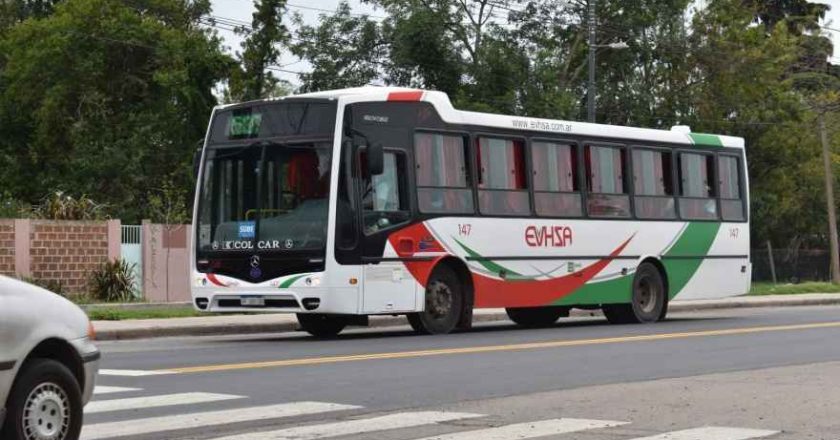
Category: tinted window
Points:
column 443, row 177
column 556, row 179
column 731, row 206
column 653, row 184
column 696, row 189
column 606, row 182
column 502, row 179
column 384, row 199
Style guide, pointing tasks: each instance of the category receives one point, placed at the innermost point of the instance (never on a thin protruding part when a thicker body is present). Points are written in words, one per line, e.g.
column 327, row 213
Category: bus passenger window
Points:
column 443, row 178
column 697, row 189
column 605, row 182
column 653, row 184
column 731, row 206
column 556, row 188
column 502, row 188
column 384, row 198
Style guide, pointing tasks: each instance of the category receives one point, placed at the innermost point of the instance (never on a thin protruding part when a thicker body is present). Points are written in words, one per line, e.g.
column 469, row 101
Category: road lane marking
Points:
column 494, row 348
column 527, row 430
column 132, row 373
column 100, row 406
column 356, row 426
column 205, row 419
column 101, row 389
column 711, row 433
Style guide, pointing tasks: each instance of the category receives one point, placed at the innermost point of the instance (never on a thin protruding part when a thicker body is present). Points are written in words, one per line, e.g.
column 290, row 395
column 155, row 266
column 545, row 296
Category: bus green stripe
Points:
column 709, row 140
column 696, row 239
column 290, row 281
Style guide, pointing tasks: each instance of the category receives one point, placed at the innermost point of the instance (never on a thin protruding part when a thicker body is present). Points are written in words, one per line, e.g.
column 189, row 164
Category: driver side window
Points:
column 384, row 197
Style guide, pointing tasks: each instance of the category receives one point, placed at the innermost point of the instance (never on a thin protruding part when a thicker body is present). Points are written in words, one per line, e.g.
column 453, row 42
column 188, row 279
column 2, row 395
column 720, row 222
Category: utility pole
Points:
column 590, row 89
column 829, row 199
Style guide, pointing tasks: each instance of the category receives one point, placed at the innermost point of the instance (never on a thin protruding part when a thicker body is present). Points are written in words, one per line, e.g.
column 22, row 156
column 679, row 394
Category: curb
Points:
column 394, row 321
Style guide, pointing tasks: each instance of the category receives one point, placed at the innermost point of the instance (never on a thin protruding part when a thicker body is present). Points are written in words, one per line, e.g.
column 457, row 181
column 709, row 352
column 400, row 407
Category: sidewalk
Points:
column 273, row 323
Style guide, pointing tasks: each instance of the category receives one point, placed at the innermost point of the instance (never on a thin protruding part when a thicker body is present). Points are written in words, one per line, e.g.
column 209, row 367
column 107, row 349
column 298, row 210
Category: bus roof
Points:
column 677, row 134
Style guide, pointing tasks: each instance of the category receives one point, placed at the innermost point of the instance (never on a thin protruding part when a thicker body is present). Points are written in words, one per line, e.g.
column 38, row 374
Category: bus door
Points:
column 385, row 208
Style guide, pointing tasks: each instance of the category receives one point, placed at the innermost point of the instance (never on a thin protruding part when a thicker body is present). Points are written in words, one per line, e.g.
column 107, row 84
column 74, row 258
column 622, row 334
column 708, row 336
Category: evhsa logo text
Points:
column 548, row 236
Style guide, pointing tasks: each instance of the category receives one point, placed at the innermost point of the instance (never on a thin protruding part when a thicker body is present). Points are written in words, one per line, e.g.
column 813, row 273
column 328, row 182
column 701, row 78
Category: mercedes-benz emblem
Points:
column 255, row 261
column 289, row 243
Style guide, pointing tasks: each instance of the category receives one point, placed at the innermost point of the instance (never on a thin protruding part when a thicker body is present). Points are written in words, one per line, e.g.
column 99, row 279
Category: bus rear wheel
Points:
column 649, row 299
column 536, row 316
column 444, row 304
column 321, row 325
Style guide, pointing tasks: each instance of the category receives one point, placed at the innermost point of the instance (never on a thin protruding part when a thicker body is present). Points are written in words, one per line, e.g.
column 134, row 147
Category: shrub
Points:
column 113, row 281
column 61, row 206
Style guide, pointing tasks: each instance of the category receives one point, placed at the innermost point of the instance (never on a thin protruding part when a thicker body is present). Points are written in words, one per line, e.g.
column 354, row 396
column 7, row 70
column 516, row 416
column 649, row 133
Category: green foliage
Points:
column 344, row 50
column 113, row 281
column 261, row 50
column 105, row 96
column 10, row 207
column 61, row 206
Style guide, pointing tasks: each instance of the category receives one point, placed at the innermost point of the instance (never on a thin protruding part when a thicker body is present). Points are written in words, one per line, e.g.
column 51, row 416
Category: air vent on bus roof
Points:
column 681, row 129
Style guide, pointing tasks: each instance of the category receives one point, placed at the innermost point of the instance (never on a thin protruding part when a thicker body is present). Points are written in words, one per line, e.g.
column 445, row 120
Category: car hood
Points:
column 23, row 302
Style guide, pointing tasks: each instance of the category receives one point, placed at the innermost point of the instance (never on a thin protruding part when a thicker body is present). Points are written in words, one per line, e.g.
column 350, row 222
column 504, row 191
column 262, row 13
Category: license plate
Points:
column 253, row 301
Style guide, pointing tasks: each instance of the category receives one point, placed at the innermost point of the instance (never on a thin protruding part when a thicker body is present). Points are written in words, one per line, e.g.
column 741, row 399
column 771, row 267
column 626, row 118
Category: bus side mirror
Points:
column 196, row 160
column 375, row 159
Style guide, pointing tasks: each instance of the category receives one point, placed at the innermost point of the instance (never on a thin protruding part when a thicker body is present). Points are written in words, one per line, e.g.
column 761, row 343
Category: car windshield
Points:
column 264, row 196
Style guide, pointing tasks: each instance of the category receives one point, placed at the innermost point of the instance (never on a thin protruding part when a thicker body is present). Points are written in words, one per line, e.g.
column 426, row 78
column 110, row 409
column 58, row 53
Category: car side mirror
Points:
column 375, row 159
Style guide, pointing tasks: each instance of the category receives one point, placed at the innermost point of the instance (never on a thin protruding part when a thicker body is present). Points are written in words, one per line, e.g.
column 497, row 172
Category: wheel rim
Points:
column 648, row 294
column 46, row 413
column 438, row 300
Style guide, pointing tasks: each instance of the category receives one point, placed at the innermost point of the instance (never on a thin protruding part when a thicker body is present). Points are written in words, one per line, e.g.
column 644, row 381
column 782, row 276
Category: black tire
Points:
column 533, row 317
column 444, row 304
column 321, row 325
column 45, row 401
column 649, row 299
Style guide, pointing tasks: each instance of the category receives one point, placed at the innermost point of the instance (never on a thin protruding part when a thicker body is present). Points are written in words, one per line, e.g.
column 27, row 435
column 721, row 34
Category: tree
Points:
column 344, row 50
column 104, row 97
column 261, row 50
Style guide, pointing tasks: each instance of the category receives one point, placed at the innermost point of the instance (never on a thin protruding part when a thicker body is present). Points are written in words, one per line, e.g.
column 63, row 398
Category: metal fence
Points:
column 792, row 265
column 131, row 251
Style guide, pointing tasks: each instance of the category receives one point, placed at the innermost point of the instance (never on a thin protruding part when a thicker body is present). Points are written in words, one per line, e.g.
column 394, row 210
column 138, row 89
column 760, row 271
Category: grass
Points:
column 793, row 289
column 114, row 314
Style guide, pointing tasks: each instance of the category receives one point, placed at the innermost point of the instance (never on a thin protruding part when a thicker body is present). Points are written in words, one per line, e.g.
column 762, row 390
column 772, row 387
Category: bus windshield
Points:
column 265, row 195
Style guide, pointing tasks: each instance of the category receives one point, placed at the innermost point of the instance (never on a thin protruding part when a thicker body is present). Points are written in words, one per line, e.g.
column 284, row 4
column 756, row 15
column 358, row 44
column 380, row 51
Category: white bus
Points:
column 343, row 204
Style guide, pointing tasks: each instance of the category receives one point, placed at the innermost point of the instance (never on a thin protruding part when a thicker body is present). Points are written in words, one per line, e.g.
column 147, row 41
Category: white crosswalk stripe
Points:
column 205, row 419
column 528, row 430
column 133, row 373
column 100, row 406
column 712, row 433
column 356, row 426
column 99, row 390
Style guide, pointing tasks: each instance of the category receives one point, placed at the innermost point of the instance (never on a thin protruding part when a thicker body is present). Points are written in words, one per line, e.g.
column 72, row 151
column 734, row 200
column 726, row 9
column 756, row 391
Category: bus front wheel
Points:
column 444, row 304
column 536, row 316
column 649, row 299
column 320, row 325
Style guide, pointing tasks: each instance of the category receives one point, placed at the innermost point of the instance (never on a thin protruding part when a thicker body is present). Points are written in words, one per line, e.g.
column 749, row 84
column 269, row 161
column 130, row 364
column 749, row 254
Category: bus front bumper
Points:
column 303, row 300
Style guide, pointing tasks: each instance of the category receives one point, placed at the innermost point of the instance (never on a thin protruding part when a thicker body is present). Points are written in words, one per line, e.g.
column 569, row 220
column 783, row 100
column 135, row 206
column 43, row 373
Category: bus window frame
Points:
column 401, row 179
column 741, row 184
column 474, row 145
column 581, row 178
column 627, row 170
column 674, row 184
column 469, row 165
column 714, row 179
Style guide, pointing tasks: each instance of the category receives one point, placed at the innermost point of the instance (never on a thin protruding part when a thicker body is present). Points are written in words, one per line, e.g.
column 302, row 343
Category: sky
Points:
column 241, row 10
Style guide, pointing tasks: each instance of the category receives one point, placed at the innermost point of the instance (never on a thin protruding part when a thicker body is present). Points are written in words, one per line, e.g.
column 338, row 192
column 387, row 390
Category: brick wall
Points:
column 7, row 247
column 67, row 251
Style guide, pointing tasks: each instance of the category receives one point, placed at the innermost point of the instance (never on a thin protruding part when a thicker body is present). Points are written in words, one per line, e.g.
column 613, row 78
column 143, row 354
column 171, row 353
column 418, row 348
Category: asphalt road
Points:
column 718, row 375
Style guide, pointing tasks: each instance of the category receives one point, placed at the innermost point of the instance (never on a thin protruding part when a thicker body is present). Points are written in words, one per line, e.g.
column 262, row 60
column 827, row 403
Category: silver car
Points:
column 48, row 363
